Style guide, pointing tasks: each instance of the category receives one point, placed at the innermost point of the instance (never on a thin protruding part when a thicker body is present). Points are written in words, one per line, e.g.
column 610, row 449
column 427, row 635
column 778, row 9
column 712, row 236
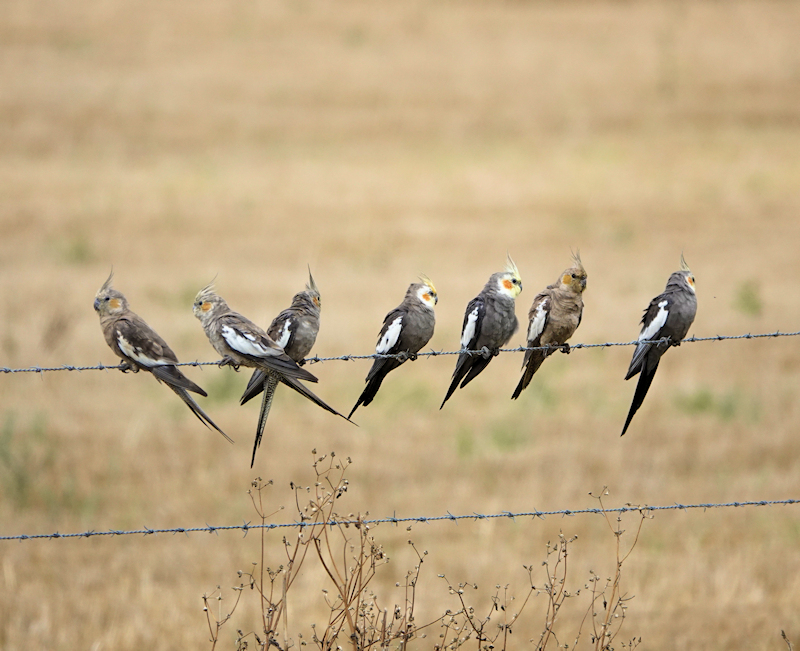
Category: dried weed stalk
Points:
column 350, row 557
column 606, row 608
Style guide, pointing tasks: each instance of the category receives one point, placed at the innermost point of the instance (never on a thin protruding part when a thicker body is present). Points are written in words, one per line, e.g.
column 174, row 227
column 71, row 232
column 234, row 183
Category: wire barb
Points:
column 432, row 353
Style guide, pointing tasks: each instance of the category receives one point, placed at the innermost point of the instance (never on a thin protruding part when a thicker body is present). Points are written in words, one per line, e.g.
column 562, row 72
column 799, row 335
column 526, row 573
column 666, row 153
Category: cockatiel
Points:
column 295, row 330
column 140, row 348
column 553, row 318
column 489, row 323
column 406, row 329
column 242, row 343
column 670, row 314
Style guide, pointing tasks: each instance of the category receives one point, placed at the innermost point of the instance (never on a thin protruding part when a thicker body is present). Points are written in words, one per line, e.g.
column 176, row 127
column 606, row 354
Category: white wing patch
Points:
column 469, row 328
column 390, row 337
column 136, row 354
column 246, row 343
column 537, row 322
column 650, row 331
column 283, row 340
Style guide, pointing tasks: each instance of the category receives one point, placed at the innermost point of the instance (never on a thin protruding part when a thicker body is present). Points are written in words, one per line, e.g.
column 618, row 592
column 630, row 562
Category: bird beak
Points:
column 97, row 305
column 583, row 283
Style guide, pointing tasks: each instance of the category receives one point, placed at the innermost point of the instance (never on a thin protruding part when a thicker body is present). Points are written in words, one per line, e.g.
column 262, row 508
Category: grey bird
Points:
column 295, row 330
column 489, row 323
column 554, row 316
column 406, row 329
column 140, row 348
column 670, row 314
column 242, row 343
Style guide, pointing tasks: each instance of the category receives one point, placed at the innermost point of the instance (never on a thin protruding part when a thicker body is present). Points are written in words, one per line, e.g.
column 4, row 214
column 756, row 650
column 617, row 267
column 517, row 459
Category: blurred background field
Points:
column 179, row 141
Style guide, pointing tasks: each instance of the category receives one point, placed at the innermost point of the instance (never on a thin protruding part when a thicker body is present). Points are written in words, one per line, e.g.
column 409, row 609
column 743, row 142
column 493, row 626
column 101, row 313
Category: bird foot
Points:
column 564, row 348
column 412, row 357
column 485, row 352
column 125, row 367
column 495, row 352
column 228, row 361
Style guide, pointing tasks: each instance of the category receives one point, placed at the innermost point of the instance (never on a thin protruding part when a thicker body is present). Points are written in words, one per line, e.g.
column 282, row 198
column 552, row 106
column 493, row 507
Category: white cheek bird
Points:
column 553, row 318
column 140, row 348
column 295, row 330
column 489, row 323
column 670, row 314
column 406, row 329
column 242, row 343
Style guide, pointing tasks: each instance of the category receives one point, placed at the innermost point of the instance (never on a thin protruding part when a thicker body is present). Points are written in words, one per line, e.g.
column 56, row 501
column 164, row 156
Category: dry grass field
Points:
column 179, row 141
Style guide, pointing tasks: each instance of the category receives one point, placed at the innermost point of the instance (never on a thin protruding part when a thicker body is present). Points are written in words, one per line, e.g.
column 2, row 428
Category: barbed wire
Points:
column 433, row 353
column 247, row 526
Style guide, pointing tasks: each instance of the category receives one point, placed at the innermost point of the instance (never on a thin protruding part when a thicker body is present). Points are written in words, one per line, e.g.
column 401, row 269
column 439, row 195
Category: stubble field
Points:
column 178, row 142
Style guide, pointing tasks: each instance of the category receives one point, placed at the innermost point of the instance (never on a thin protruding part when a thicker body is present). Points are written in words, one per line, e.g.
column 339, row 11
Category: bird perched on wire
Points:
column 553, row 318
column 406, row 329
column 489, row 323
column 670, row 315
column 140, row 348
column 295, row 330
column 242, row 343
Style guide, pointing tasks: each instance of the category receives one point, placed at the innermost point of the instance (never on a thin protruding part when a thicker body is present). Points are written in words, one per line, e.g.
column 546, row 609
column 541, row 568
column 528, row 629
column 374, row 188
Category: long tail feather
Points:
column 172, row 375
column 532, row 364
column 268, row 387
column 307, row 393
column 369, row 393
column 478, row 364
column 254, row 386
column 642, row 386
column 462, row 367
column 197, row 411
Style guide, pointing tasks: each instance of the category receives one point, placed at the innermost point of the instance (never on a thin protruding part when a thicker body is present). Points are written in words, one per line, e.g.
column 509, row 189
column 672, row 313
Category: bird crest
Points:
column 511, row 267
column 577, row 259
column 427, row 281
column 106, row 285
column 206, row 294
column 311, row 285
column 684, row 266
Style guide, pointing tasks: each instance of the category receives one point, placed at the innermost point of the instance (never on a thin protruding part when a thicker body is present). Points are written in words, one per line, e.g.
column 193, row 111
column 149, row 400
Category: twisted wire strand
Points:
column 247, row 526
column 433, row 353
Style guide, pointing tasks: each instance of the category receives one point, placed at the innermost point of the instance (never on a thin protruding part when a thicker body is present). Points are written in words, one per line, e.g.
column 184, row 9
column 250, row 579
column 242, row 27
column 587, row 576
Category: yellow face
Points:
column 511, row 284
column 427, row 294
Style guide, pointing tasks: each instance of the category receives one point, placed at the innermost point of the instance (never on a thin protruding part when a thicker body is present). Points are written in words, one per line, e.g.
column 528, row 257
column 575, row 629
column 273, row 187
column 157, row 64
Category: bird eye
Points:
column 574, row 276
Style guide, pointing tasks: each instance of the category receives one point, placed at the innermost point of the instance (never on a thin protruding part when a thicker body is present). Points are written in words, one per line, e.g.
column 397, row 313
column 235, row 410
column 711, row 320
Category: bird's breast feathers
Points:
column 390, row 336
column 650, row 330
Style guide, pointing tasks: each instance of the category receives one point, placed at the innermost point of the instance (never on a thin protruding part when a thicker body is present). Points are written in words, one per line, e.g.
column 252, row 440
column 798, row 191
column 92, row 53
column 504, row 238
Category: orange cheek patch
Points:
column 566, row 279
column 113, row 303
column 205, row 306
column 508, row 284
